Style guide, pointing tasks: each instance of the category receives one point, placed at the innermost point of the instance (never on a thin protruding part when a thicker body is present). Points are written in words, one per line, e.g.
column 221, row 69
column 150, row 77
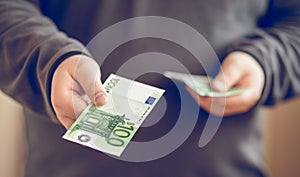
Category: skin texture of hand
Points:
column 240, row 70
column 74, row 79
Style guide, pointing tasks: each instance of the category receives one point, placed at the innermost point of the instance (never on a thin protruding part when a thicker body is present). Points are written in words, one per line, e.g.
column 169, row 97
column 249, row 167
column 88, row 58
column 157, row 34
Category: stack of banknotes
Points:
column 109, row 128
column 201, row 84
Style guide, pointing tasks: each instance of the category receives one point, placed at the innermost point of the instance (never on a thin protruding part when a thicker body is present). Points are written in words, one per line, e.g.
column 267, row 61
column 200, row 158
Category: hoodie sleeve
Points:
column 276, row 46
column 31, row 47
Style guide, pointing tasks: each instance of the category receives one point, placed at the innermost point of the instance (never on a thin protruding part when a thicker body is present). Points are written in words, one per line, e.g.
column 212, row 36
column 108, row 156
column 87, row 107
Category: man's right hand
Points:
column 74, row 78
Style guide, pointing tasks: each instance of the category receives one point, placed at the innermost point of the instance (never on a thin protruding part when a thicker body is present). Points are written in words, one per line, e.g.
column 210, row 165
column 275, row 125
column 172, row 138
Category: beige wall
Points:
column 282, row 135
column 12, row 145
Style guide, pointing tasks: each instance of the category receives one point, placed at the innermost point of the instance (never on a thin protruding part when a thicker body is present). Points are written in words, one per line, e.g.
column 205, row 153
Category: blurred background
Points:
column 282, row 138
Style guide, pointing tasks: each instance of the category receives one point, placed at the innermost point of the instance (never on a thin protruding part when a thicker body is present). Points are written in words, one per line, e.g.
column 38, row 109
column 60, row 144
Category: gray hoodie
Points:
column 35, row 37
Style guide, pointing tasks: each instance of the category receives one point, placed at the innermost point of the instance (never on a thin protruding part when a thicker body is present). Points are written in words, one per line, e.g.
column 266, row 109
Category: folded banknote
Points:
column 201, row 84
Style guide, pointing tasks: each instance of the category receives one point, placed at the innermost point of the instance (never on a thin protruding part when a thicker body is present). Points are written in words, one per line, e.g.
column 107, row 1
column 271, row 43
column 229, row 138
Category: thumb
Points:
column 98, row 95
column 88, row 75
column 228, row 75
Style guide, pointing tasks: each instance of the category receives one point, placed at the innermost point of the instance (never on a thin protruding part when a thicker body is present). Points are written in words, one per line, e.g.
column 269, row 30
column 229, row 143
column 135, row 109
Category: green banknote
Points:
column 109, row 128
column 201, row 84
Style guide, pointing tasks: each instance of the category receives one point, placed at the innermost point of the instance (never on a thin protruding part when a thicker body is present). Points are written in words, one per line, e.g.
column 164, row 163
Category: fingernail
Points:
column 220, row 86
column 102, row 97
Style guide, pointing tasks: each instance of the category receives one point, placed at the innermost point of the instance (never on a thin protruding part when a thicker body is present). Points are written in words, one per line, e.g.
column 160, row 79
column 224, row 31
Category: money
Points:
column 109, row 128
column 201, row 84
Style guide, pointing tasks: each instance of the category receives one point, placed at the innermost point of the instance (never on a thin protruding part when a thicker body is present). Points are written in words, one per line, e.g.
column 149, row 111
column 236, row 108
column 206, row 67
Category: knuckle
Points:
column 90, row 89
column 60, row 117
column 245, row 101
column 221, row 101
column 244, row 109
column 227, row 113
column 56, row 102
column 206, row 107
column 256, row 97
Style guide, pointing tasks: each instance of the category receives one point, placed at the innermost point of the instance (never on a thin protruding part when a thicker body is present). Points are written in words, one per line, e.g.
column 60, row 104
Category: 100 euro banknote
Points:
column 201, row 84
column 109, row 128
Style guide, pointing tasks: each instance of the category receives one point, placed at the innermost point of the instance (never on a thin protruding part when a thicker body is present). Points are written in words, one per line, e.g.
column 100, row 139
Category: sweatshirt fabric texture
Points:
column 36, row 36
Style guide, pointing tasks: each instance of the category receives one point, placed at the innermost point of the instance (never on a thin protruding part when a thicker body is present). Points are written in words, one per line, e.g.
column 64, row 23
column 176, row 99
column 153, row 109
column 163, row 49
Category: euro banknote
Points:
column 109, row 128
column 202, row 84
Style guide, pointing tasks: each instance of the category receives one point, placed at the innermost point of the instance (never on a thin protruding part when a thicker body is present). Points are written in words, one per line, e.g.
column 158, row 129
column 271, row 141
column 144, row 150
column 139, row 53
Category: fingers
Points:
column 223, row 106
column 88, row 76
column 69, row 117
column 67, row 122
column 66, row 98
column 228, row 76
column 238, row 70
column 73, row 79
column 215, row 106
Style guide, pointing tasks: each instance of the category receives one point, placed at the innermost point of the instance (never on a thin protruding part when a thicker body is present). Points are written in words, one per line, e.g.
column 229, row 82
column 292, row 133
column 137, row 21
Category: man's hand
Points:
column 238, row 70
column 73, row 79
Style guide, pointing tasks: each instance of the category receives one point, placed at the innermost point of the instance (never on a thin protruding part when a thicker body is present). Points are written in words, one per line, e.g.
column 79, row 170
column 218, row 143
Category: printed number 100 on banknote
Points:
column 109, row 128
